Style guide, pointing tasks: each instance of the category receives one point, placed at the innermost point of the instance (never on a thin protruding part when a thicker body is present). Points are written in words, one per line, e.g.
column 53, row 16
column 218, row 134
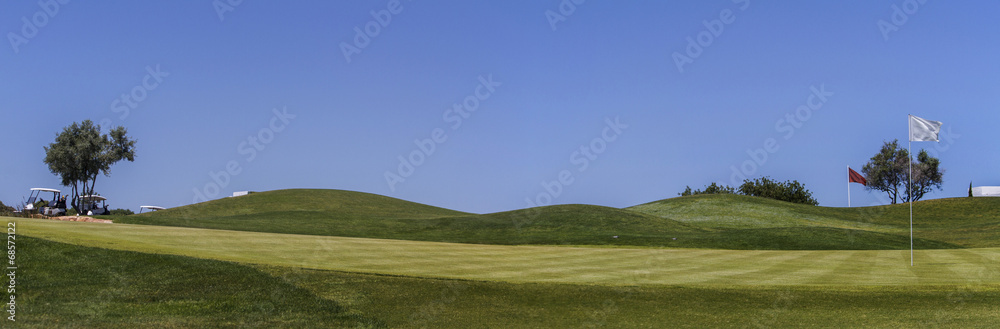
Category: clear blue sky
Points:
column 552, row 91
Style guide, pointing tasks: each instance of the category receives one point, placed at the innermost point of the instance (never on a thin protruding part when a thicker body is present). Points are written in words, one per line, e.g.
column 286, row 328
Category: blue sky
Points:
column 539, row 80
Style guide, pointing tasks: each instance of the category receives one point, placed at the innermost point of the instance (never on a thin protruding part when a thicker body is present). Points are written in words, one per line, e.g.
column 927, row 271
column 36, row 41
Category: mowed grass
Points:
column 72, row 286
column 704, row 221
column 565, row 224
column 68, row 286
column 609, row 266
column 967, row 222
column 405, row 302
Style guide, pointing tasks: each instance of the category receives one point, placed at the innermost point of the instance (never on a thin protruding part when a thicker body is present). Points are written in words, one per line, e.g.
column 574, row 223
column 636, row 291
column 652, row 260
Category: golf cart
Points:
column 55, row 207
column 94, row 205
column 151, row 208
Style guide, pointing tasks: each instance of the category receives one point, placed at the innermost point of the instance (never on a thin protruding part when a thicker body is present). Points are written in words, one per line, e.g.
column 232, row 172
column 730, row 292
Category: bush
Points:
column 791, row 191
column 710, row 189
column 121, row 212
column 6, row 210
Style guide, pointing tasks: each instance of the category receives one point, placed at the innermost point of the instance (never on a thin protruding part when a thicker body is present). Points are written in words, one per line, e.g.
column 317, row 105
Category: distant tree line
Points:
column 6, row 210
column 765, row 187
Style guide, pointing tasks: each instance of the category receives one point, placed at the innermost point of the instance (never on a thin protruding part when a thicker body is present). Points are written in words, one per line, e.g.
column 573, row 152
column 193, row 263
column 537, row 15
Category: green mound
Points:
column 563, row 224
column 967, row 222
column 701, row 221
column 63, row 285
column 341, row 203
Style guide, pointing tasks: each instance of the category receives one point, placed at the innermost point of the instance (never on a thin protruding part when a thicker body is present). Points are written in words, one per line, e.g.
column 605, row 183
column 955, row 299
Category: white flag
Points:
column 923, row 130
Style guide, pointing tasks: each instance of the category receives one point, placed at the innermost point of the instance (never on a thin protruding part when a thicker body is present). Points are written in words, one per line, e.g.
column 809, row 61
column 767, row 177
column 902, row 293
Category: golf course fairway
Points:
column 538, row 264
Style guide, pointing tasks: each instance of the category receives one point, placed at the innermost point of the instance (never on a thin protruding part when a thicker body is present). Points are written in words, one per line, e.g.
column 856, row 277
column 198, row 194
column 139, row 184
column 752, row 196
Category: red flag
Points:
column 855, row 177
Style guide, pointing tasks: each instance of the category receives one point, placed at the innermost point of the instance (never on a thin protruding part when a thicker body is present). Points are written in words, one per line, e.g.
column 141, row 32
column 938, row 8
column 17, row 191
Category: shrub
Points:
column 710, row 189
column 121, row 212
column 6, row 210
column 791, row 191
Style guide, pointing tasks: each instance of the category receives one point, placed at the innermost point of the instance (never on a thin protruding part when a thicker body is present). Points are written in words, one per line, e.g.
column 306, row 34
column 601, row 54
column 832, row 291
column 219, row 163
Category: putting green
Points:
column 607, row 266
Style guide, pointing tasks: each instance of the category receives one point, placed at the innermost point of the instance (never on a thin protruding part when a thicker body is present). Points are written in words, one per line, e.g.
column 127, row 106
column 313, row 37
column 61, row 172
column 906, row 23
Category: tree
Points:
column 790, row 191
column 889, row 171
column 927, row 175
column 80, row 153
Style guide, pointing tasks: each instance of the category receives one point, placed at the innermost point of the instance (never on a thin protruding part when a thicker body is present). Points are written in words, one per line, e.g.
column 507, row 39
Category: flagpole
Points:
column 848, row 186
column 909, row 195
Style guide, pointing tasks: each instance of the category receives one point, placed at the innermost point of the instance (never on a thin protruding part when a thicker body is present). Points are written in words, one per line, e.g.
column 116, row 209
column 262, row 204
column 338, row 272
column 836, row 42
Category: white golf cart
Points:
column 94, row 205
column 55, row 207
column 150, row 208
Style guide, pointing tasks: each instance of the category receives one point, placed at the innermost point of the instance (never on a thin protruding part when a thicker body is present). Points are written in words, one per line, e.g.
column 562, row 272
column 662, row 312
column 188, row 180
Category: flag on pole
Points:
column 923, row 130
column 855, row 177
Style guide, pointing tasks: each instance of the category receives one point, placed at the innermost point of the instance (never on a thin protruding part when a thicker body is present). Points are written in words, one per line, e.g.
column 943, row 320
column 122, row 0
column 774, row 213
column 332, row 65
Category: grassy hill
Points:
column 345, row 215
column 702, row 221
column 967, row 222
column 338, row 203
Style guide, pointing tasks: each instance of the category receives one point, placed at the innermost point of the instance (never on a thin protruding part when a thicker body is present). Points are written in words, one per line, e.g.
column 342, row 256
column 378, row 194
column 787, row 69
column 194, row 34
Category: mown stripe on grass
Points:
column 609, row 266
column 858, row 266
column 766, row 263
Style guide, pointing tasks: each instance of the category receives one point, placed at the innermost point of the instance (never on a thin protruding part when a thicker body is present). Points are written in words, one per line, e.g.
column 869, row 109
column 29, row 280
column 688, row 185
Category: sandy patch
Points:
column 81, row 219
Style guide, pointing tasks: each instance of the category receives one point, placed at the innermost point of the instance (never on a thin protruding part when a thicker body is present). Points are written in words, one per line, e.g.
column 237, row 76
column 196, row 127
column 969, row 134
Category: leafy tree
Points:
column 927, row 175
column 889, row 171
column 710, row 189
column 80, row 153
column 886, row 171
column 970, row 189
column 790, row 191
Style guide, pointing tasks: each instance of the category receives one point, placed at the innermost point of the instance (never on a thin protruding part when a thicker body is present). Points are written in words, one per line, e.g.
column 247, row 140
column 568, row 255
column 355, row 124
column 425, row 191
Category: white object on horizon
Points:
column 986, row 191
column 923, row 130
column 151, row 208
column 240, row 193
